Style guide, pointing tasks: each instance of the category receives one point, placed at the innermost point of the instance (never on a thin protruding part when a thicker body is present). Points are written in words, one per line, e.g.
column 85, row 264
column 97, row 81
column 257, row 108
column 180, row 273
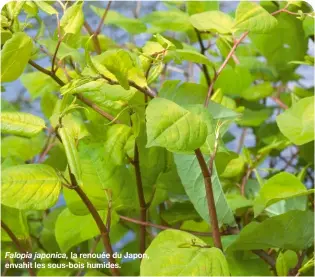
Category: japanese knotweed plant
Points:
column 184, row 127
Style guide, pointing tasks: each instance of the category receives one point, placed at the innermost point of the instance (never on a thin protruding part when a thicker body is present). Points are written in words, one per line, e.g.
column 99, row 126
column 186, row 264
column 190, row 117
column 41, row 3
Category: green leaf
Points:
column 131, row 25
column 308, row 26
column 47, row 103
column 288, row 44
column 30, row 187
column 120, row 63
column 73, row 229
column 245, row 263
column 285, row 261
column 233, row 81
column 73, row 18
column 168, row 257
column 193, row 56
column 98, row 175
column 165, row 43
column 14, row 56
column 24, row 148
column 161, row 21
column 180, row 212
column 229, row 164
column 38, row 84
column 279, row 187
column 190, row 173
column 14, row 8
column 211, row 124
column 98, row 91
column 213, row 21
column 5, row 35
column 254, row 18
column 47, row 236
column 292, row 230
column 201, row 6
column 254, row 118
column 173, row 127
column 64, row 51
column 71, row 153
column 22, row 124
column 297, row 123
column 47, row 8
column 16, row 221
column 183, row 93
column 237, row 201
column 258, row 92
column 116, row 139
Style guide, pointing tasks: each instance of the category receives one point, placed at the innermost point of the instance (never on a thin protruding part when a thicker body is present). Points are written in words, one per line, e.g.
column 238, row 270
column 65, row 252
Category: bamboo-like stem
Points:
column 223, row 65
column 142, row 203
column 210, row 199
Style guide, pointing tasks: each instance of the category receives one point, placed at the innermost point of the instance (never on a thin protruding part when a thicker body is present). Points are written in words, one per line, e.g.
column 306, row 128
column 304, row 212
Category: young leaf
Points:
column 30, row 187
column 292, row 230
column 73, row 229
column 279, row 187
column 22, row 124
column 71, row 153
column 297, row 123
column 173, row 127
column 73, row 18
column 213, row 21
column 14, row 56
column 167, row 257
column 190, row 174
column 122, row 65
column 47, row 8
column 254, row 18
column 285, row 261
column 116, row 139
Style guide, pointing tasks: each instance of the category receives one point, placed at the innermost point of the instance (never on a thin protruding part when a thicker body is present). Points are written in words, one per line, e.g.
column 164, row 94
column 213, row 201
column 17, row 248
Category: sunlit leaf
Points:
column 30, row 186
column 22, row 124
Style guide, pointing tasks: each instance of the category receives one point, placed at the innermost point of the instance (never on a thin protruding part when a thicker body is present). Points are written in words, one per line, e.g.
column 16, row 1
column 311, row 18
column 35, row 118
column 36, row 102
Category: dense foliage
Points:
column 190, row 142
